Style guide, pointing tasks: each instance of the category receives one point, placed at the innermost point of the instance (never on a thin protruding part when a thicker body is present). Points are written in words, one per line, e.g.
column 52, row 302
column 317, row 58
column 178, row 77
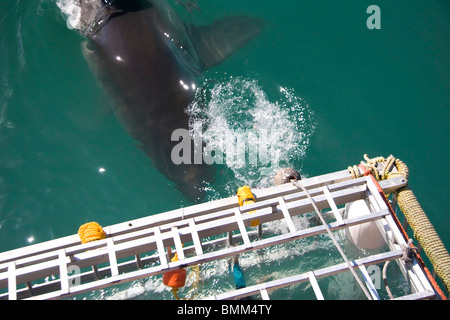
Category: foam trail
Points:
column 254, row 135
column 72, row 10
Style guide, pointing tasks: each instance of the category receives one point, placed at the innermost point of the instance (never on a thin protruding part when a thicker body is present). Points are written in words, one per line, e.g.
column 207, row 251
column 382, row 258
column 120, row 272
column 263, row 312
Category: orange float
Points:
column 175, row 278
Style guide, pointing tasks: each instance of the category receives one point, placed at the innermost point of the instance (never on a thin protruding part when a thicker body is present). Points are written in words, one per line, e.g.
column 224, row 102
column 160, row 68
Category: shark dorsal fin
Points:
column 216, row 42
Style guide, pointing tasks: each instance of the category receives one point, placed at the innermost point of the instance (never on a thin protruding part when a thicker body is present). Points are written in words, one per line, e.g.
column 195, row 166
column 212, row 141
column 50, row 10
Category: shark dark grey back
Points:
column 148, row 60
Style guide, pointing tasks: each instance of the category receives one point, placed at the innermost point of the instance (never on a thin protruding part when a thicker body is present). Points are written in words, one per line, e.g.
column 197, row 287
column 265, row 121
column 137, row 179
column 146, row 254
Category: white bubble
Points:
column 258, row 134
column 72, row 10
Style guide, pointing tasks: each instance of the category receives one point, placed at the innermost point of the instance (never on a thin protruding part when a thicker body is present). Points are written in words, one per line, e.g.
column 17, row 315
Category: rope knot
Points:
column 370, row 166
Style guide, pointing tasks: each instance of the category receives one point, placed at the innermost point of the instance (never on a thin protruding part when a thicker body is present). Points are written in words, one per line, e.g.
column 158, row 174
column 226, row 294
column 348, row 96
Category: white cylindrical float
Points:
column 366, row 235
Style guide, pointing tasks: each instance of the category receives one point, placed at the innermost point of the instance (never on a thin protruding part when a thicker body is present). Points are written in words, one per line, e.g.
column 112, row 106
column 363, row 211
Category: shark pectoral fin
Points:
column 216, row 42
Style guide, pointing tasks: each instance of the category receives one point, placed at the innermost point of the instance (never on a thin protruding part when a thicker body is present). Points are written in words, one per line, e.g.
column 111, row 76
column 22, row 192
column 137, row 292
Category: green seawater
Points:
column 375, row 91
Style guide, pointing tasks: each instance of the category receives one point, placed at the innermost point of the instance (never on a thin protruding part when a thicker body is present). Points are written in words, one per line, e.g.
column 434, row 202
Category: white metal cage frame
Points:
column 137, row 249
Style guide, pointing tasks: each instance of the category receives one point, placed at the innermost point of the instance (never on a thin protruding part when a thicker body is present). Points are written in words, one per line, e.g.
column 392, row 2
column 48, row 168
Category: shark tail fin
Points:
column 216, row 42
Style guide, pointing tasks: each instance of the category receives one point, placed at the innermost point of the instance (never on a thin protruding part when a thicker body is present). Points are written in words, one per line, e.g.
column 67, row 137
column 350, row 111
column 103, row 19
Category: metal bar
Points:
column 161, row 249
column 242, row 229
column 138, row 261
column 195, row 237
column 287, row 216
column 369, row 283
column 12, row 281
column 30, row 289
column 96, row 273
column 264, row 294
column 333, row 206
column 418, row 296
column 394, row 203
column 112, row 257
column 230, row 238
column 315, row 286
column 376, row 194
column 63, row 273
column 178, row 243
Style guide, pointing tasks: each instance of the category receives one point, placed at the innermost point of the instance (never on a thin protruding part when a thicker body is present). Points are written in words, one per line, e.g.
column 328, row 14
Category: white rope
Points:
column 296, row 183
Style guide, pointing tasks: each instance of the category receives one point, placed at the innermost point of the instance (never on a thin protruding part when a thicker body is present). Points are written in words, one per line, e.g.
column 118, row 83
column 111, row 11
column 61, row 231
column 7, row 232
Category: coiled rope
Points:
column 91, row 231
column 423, row 230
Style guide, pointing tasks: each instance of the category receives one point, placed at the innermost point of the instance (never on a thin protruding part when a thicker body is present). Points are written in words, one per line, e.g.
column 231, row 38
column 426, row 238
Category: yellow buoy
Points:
column 245, row 197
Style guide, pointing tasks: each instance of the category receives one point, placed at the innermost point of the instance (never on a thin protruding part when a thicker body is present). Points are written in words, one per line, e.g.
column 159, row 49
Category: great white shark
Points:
column 149, row 61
